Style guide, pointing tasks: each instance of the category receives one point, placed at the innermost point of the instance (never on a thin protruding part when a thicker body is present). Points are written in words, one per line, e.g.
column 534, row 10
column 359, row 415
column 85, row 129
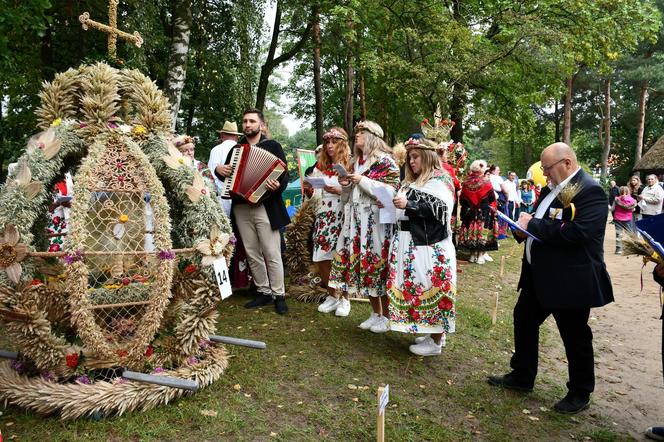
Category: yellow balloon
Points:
column 535, row 173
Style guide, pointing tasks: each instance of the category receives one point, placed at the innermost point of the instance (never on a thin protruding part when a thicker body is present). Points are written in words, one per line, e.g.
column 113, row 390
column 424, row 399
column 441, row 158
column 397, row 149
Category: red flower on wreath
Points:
column 122, row 353
column 445, row 304
column 149, row 351
column 191, row 268
column 72, row 360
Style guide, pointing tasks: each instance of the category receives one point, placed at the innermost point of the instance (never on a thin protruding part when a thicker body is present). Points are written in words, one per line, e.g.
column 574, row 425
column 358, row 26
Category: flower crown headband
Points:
column 363, row 126
column 333, row 133
column 418, row 143
column 181, row 142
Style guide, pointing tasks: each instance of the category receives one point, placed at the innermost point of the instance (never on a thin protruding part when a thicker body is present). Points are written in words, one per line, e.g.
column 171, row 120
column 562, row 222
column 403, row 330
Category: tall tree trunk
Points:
column 318, row 92
column 641, row 124
column 3, row 148
column 567, row 115
column 349, row 102
column 363, row 100
column 46, row 53
column 556, row 120
column 607, row 129
column 271, row 62
column 177, row 60
column 246, row 68
column 457, row 112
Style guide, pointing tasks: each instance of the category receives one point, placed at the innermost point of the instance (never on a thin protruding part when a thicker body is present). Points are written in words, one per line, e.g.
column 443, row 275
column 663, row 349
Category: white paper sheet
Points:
column 315, row 182
column 388, row 214
column 320, row 182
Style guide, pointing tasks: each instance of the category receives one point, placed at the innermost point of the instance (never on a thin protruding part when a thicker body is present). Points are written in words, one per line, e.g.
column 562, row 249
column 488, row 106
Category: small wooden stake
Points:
column 359, row 299
column 494, row 310
column 502, row 265
column 380, row 418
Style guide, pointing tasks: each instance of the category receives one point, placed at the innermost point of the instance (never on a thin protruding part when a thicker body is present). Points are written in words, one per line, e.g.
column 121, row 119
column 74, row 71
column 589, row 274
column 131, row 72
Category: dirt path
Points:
column 627, row 343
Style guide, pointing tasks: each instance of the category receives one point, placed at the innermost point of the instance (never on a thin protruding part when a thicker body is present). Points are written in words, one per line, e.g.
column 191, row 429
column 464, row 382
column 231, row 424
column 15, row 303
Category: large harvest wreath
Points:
column 44, row 299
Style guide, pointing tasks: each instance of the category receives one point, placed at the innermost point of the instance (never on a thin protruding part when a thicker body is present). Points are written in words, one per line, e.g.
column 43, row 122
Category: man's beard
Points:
column 251, row 132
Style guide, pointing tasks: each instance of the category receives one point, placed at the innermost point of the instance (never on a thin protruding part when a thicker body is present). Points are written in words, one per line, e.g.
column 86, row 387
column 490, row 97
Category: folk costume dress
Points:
column 360, row 264
column 479, row 230
column 422, row 278
column 329, row 216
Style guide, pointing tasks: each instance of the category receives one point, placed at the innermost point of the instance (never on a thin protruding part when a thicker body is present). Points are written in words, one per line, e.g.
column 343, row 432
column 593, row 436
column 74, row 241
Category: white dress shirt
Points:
column 218, row 156
column 543, row 207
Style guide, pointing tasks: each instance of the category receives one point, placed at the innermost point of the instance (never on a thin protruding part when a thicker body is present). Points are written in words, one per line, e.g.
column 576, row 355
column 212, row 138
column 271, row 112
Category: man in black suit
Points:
column 564, row 275
column 259, row 223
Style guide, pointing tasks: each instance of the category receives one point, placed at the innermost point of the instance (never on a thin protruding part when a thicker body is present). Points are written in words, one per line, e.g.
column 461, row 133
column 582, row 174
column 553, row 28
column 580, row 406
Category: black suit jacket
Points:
column 567, row 267
column 274, row 204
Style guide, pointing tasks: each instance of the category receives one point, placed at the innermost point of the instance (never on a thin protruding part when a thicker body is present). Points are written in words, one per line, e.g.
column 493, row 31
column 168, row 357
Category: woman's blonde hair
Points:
column 428, row 161
column 342, row 151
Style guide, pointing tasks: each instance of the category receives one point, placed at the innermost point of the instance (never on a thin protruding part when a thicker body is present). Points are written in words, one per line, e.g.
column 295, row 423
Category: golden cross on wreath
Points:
column 111, row 29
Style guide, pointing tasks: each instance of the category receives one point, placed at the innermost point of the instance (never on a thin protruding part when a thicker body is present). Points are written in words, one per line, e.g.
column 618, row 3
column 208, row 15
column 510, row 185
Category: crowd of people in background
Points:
column 633, row 202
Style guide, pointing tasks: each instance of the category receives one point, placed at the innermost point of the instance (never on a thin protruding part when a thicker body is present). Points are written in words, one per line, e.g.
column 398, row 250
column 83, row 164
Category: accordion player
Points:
column 252, row 167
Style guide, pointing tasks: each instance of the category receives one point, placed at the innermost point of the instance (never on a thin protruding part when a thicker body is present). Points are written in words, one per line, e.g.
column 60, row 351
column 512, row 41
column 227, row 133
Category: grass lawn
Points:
column 319, row 375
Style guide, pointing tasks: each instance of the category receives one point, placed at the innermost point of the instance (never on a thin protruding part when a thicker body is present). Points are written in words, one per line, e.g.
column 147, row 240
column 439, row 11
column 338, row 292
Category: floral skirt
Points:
column 327, row 228
column 422, row 286
column 360, row 264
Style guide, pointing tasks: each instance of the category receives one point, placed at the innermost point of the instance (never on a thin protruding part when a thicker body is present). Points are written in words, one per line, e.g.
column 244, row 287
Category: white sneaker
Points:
column 480, row 260
column 366, row 325
column 421, row 339
column 426, row 348
column 472, row 258
column 381, row 325
column 330, row 304
column 343, row 309
column 487, row 258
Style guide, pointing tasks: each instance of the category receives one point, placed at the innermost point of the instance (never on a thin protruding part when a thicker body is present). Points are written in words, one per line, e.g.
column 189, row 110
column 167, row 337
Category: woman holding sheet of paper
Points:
column 359, row 267
column 329, row 215
column 422, row 276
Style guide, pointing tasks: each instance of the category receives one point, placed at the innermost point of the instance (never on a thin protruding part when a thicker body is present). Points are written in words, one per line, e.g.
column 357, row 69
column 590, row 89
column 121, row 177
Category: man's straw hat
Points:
column 230, row 128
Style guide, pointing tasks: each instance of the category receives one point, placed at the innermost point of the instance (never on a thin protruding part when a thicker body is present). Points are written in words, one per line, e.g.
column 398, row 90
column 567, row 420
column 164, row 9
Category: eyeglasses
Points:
column 547, row 168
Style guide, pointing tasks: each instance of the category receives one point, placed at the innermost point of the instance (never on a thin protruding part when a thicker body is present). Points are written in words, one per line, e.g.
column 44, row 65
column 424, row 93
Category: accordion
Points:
column 252, row 167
